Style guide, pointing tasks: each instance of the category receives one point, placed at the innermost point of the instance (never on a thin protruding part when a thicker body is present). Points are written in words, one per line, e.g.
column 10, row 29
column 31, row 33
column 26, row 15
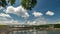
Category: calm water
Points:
column 35, row 32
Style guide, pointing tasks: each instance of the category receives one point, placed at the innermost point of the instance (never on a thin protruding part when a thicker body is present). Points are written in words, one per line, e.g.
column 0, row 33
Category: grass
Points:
column 3, row 26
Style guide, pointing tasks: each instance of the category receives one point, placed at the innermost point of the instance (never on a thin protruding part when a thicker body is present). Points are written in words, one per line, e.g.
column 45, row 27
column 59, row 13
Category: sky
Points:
column 44, row 12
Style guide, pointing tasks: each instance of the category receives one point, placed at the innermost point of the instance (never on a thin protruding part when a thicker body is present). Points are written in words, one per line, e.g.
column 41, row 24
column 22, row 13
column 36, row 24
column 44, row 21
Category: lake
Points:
column 36, row 32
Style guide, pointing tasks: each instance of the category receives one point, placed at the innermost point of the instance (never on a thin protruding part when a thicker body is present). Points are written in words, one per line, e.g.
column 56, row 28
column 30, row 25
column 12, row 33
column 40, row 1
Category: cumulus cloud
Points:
column 4, row 15
column 38, row 21
column 9, row 22
column 6, row 19
column 50, row 13
column 57, row 22
column 20, row 11
column 36, row 14
column 1, row 7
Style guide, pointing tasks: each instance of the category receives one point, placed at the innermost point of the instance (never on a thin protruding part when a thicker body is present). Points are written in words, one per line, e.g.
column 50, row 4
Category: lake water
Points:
column 36, row 32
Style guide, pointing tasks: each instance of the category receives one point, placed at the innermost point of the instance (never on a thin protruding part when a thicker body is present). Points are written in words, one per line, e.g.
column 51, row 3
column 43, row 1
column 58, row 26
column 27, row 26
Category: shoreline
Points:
column 3, row 31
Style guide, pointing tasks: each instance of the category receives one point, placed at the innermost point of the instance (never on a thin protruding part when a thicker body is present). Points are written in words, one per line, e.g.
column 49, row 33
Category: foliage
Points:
column 57, row 26
column 12, row 2
column 28, row 4
column 3, row 3
column 3, row 26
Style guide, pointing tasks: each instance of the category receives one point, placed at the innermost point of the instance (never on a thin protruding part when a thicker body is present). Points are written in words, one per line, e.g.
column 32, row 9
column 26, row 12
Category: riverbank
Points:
column 4, row 31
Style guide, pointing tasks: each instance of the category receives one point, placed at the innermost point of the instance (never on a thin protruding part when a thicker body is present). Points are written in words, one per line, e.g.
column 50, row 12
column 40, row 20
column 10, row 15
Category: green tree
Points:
column 3, row 3
column 28, row 4
column 12, row 2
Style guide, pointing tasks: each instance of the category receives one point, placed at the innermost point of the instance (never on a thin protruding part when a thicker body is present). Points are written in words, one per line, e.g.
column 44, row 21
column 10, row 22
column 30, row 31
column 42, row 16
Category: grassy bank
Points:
column 3, row 26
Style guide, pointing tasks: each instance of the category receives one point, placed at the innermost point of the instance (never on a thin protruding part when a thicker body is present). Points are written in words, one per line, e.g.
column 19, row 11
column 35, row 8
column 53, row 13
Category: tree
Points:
column 28, row 4
column 12, row 2
column 3, row 3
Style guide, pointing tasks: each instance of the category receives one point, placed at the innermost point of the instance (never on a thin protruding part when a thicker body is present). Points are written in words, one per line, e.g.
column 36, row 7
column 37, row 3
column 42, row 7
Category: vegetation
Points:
column 3, row 3
column 3, row 26
column 41, row 26
column 28, row 4
column 57, row 26
column 12, row 2
column 46, row 26
column 35, row 26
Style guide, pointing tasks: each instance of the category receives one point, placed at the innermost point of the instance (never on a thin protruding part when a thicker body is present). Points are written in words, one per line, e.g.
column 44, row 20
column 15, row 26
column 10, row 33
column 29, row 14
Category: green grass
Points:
column 3, row 26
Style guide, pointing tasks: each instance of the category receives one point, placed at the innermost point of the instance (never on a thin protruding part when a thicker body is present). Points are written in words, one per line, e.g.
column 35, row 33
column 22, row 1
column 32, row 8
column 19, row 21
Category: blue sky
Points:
column 45, row 11
column 49, row 5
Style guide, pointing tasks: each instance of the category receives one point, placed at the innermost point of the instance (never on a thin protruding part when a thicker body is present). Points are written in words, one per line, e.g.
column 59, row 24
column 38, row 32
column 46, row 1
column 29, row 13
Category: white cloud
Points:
column 1, row 7
column 20, row 11
column 36, row 14
column 50, row 13
column 6, row 19
column 57, row 22
column 38, row 21
column 4, row 15
column 9, row 22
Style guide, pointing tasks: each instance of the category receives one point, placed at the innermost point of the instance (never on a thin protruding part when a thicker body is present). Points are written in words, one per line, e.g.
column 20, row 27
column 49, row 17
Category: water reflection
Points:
column 28, row 32
column 36, row 32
